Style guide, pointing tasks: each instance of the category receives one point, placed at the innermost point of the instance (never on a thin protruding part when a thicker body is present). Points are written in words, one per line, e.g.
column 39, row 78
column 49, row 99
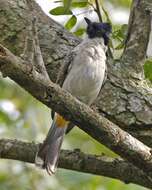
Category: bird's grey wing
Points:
column 62, row 75
column 105, row 78
column 65, row 68
column 63, row 72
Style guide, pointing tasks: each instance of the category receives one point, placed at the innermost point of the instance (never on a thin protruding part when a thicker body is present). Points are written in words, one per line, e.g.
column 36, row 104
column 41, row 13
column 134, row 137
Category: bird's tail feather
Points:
column 48, row 154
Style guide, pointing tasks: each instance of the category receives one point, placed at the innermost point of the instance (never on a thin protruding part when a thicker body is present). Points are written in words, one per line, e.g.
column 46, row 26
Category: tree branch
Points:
column 73, row 110
column 123, row 100
column 78, row 161
column 139, row 28
column 147, row 5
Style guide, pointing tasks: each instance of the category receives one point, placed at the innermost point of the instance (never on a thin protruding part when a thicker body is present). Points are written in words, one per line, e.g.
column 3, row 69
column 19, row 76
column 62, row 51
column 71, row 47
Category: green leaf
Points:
column 71, row 22
column 67, row 4
column 111, row 44
column 121, row 33
column 80, row 32
column 60, row 11
column 79, row 4
column 148, row 69
column 106, row 14
column 120, row 46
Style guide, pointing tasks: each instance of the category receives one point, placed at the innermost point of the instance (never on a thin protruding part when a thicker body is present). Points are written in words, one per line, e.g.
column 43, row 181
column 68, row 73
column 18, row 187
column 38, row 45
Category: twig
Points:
column 39, row 63
column 32, row 52
column 84, row 12
column 98, row 11
column 106, row 14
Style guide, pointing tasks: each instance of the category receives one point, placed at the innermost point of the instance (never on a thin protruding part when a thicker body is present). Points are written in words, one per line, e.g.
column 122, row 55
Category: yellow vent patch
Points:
column 60, row 121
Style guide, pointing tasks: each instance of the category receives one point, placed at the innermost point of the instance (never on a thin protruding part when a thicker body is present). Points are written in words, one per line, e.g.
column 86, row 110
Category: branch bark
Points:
column 147, row 5
column 124, row 100
column 78, row 161
column 137, row 39
column 81, row 115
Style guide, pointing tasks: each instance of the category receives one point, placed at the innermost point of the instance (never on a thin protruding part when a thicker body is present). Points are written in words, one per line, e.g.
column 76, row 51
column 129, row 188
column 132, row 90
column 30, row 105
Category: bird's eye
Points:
column 95, row 27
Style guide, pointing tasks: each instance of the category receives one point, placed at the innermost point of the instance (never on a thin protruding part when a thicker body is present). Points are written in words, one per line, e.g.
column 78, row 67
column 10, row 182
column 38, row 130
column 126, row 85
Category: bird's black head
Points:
column 95, row 30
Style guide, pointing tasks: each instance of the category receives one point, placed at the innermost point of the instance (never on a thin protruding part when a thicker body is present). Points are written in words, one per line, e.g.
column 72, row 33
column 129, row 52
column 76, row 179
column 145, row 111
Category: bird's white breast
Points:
column 86, row 76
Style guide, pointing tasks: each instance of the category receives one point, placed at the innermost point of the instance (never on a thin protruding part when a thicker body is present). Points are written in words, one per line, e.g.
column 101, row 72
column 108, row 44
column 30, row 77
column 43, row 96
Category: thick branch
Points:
column 137, row 38
column 76, row 160
column 73, row 110
column 123, row 100
column 147, row 5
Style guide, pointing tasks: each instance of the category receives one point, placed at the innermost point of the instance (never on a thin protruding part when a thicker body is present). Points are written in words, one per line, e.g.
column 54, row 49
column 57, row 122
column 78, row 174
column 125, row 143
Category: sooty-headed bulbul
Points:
column 84, row 80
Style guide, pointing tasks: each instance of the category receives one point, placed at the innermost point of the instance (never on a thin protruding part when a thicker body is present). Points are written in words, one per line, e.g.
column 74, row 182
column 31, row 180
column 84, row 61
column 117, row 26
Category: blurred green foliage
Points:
column 148, row 69
column 23, row 117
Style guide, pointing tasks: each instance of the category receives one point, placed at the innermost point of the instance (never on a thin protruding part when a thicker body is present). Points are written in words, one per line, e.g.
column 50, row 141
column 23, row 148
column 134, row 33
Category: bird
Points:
column 84, row 79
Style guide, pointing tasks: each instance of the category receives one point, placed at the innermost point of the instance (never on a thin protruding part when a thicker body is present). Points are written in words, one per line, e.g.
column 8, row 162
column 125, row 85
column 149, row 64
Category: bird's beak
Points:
column 87, row 20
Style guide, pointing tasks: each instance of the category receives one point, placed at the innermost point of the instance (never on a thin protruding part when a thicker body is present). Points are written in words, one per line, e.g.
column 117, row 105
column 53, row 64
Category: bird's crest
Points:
column 95, row 29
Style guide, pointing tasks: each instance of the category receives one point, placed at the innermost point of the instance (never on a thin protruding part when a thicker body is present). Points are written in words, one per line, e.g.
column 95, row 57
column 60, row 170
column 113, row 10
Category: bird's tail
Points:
column 48, row 154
